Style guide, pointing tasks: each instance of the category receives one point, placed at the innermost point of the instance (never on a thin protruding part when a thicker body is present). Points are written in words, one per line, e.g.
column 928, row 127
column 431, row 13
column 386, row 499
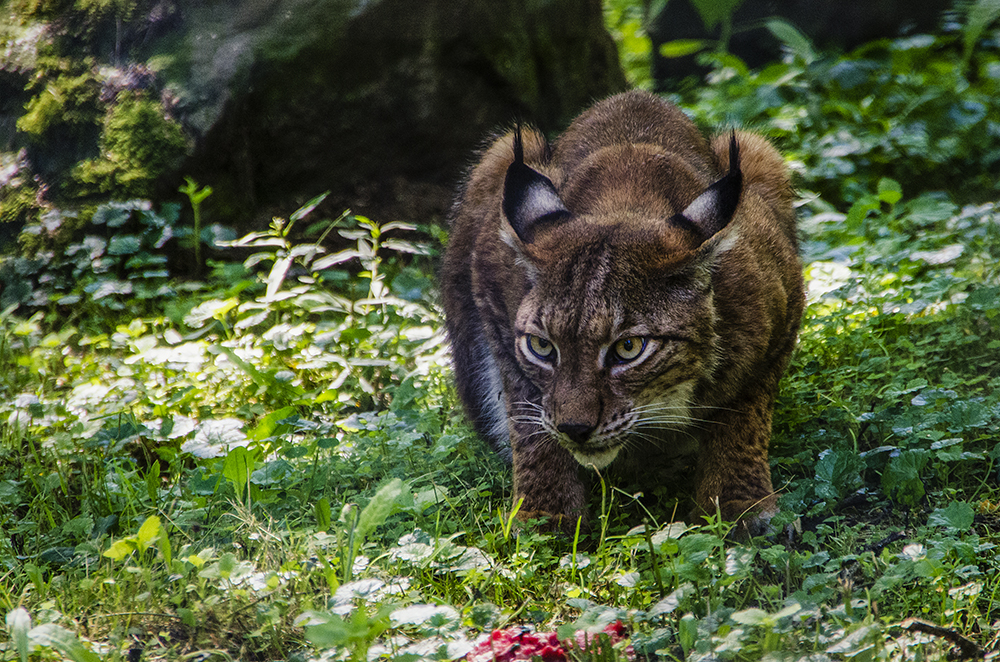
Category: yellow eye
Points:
column 629, row 349
column 541, row 347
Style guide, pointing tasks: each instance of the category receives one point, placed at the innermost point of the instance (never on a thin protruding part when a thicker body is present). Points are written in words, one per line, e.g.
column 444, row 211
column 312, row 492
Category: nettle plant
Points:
column 359, row 312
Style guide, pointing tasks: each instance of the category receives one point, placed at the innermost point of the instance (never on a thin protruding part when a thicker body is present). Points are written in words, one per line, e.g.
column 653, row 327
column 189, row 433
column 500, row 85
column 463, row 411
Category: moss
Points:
column 18, row 205
column 138, row 144
column 118, row 9
column 40, row 8
column 18, row 197
column 88, row 9
column 67, row 94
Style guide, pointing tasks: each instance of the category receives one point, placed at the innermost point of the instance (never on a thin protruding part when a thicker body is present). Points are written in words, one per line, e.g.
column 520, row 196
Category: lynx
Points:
column 633, row 290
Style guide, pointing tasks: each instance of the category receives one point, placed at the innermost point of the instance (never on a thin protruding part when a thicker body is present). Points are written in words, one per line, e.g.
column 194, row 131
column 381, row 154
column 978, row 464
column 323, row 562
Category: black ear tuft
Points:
column 712, row 210
column 529, row 197
column 518, row 144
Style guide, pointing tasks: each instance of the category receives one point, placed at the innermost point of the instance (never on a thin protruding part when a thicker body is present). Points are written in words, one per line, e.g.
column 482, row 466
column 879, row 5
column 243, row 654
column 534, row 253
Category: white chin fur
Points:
column 597, row 460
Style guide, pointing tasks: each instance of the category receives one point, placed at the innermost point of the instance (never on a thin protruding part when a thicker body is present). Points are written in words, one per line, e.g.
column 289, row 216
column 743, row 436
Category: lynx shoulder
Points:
column 633, row 285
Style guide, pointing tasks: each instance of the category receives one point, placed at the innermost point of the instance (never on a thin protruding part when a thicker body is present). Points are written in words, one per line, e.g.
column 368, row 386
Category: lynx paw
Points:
column 751, row 518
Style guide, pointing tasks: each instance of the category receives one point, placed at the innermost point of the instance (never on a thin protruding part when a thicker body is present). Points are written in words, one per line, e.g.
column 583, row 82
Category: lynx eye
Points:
column 540, row 347
column 629, row 349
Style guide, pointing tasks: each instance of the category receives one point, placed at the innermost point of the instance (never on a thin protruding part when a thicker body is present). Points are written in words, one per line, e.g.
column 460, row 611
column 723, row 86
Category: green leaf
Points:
column 687, row 633
column 385, row 502
column 901, row 478
column 682, row 47
column 163, row 542
column 714, row 11
column 308, row 207
column 18, row 625
column 859, row 212
column 149, row 532
column 980, row 16
column 190, row 189
column 64, row 641
column 237, row 468
column 331, row 260
column 275, row 472
column 334, row 632
column 112, row 214
column 355, row 634
column 152, row 480
column 323, row 515
column 957, row 515
column 227, row 564
column 787, row 611
column 124, row 244
column 120, row 549
column 837, row 474
column 270, row 425
column 889, row 191
column 794, row 41
column 966, row 414
column 752, row 616
column 277, row 276
column 673, row 600
column 984, row 298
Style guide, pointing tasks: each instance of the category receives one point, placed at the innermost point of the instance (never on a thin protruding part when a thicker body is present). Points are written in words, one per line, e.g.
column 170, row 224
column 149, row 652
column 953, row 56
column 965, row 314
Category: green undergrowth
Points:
column 271, row 463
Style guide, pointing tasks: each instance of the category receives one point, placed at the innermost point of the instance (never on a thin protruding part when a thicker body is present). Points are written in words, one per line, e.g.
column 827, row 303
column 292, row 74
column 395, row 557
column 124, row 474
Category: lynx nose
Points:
column 577, row 432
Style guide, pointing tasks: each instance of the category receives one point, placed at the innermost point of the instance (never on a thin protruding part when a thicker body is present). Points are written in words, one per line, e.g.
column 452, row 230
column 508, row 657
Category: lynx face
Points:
column 615, row 352
column 634, row 284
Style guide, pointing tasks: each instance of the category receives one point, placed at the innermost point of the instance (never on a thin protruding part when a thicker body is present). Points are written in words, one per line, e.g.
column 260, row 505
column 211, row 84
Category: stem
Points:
column 727, row 32
column 652, row 555
column 196, row 196
column 196, row 205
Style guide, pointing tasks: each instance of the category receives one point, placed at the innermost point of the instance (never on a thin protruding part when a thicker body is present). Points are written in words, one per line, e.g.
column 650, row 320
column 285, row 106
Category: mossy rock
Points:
column 382, row 102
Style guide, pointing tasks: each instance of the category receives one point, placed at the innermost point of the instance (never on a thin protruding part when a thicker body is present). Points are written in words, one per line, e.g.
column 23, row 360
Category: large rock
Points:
column 380, row 101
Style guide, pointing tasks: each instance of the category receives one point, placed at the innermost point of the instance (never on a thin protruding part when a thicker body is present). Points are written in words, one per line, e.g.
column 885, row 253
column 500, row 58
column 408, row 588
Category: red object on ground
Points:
column 519, row 643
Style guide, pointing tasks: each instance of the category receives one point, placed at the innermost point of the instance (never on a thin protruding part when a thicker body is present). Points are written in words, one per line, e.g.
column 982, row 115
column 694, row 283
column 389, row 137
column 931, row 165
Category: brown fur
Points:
column 718, row 314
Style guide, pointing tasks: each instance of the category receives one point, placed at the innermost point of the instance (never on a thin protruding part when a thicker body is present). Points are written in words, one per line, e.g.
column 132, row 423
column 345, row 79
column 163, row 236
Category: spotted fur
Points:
column 635, row 284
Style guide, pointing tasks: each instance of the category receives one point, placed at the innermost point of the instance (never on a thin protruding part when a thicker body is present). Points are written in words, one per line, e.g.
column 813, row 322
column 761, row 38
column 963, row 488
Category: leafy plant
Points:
column 196, row 196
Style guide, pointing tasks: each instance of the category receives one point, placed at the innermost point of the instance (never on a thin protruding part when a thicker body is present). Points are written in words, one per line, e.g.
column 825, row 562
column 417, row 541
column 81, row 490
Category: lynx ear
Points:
column 529, row 197
column 712, row 210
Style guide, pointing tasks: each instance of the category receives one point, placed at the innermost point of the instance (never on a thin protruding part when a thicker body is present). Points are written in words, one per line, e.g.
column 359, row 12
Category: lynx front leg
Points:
column 547, row 479
column 733, row 470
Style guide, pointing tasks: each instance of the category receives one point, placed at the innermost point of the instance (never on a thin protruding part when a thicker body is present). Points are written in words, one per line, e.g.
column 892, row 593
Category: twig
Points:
column 136, row 613
column 969, row 649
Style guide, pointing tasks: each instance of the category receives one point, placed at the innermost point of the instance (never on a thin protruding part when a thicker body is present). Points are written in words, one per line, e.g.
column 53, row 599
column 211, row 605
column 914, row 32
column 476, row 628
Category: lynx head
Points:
column 618, row 325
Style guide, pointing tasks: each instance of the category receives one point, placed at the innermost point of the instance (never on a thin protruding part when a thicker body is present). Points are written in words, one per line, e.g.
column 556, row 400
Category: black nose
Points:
column 577, row 432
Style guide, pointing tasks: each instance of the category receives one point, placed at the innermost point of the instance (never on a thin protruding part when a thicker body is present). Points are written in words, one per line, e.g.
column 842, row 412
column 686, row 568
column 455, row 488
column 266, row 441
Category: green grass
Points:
column 275, row 466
